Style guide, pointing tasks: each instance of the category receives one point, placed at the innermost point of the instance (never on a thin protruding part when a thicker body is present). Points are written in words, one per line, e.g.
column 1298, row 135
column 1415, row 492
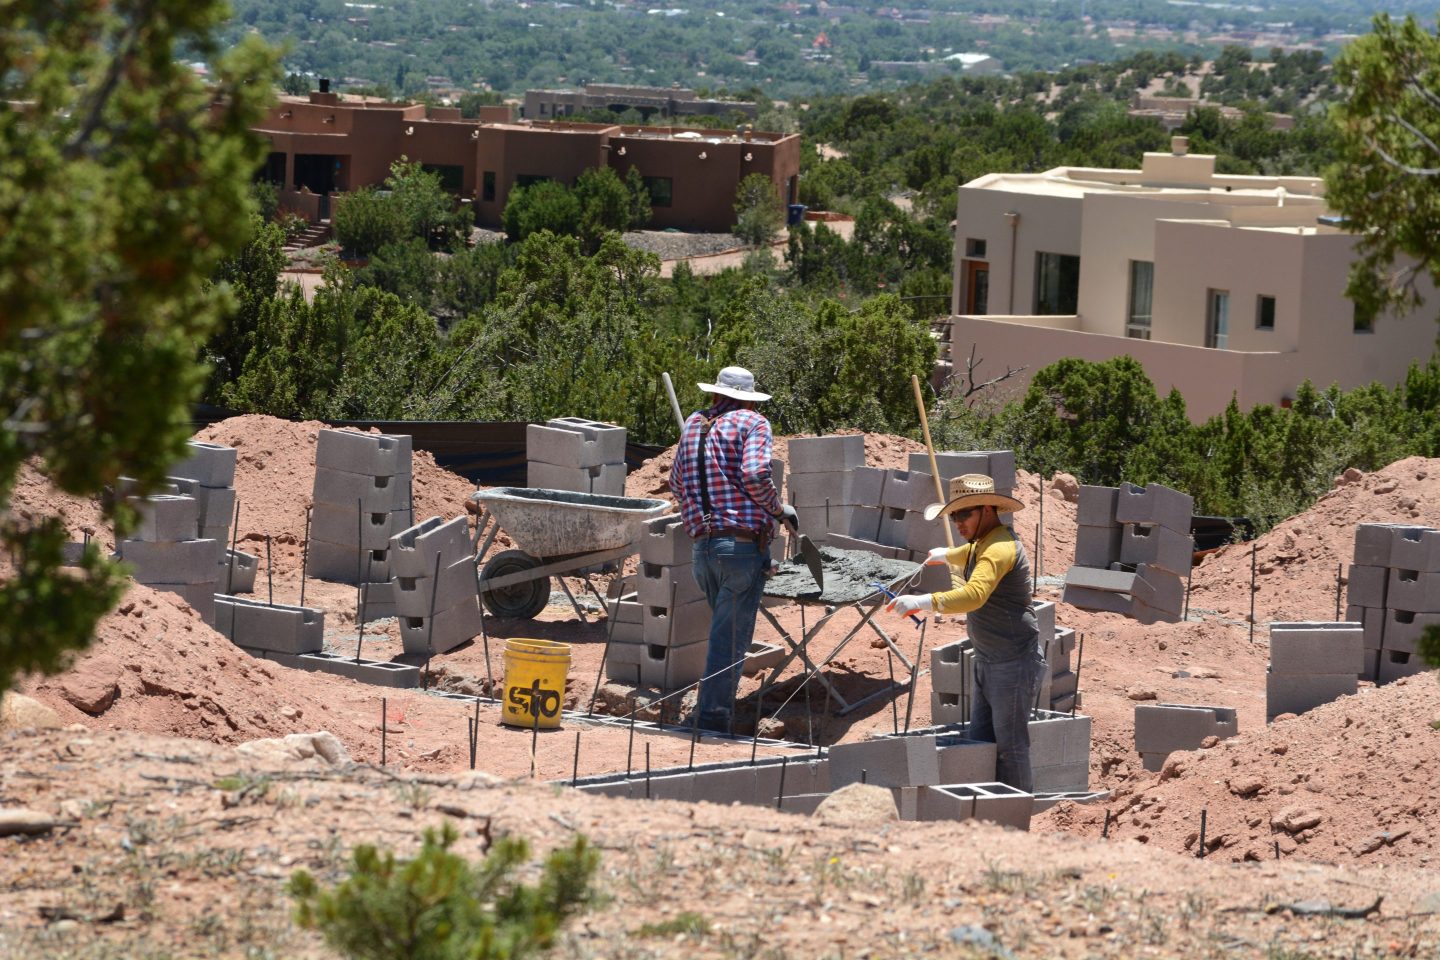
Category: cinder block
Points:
column 1001, row 469
column 946, row 711
column 892, row 527
column 1374, row 541
column 1395, row 664
column 1372, row 666
column 1416, row 548
column 663, row 541
column 600, row 479
column 1374, row 619
column 343, row 525
column 1155, row 504
column 965, row 761
column 777, row 476
column 623, row 610
column 571, row 448
column 907, row 490
column 952, row 463
column 164, row 518
column 370, row 454
column 673, row 667
column 239, row 573
column 1096, row 506
column 377, row 601
column 200, row 596
column 1403, row 629
column 1065, row 704
column 1107, row 581
column 1167, row 727
column 341, row 564
column 1066, row 638
column 370, row 494
column 1314, row 647
column 417, row 596
column 816, row 522
column 609, row 437
column 1059, row 777
column 761, row 657
column 923, row 535
column 865, row 523
column 824, row 454
column 184, row 561
column 996, row 802
column 726, row 785
column 1156, row 547
column 688, row 624
column 450, row 628
column 413, row 550
column 208, row 464
column 279, row 628
column 377, row 673
column 1087, row 598
column 841, row 542
column 1098, row 547
column 1044, row 611
column 1158, row 589
column 950, row 667
column 1063, row 683
column 936, row 579
column 217, row 531
column 866, row 486
column 214, row 506
column 887, row 762
column 654, row 583
column 1413, row 590
column 1288, row 693
column 818, row 489
column 618, row 672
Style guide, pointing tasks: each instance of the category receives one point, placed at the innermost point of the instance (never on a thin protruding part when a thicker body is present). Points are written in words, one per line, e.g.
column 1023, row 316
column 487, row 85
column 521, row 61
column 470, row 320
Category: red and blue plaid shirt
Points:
column 737, row 468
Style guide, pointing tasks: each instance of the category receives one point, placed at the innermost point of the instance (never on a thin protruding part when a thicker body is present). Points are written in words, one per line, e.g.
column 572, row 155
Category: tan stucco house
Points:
column 1219, row 285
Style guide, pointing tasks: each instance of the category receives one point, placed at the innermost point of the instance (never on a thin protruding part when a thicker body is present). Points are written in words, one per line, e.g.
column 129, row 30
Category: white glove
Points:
column 937, row 557
column 911, row 603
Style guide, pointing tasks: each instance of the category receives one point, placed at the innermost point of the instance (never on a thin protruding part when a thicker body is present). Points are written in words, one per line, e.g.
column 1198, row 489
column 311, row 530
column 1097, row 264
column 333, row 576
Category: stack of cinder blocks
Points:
column 208, row 475
column 267, row 630
column 821, row 483
column 1394, row 589
column 1312, row 663
column 433, row 586
column 571, row 453
column 659, row 632
column 952, row 672
column 1133, row 552
column 1163, row 728
column 361, row 500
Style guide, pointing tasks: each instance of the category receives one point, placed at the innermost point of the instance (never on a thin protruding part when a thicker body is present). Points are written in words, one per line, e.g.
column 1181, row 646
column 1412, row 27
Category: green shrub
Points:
column 439, row 906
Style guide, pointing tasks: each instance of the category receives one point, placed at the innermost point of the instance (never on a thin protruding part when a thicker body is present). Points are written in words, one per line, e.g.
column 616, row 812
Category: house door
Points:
column 977, row 287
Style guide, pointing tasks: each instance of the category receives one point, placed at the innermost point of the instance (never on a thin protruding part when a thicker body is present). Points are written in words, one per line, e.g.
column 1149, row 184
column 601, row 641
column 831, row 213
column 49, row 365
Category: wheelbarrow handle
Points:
column 891, row 594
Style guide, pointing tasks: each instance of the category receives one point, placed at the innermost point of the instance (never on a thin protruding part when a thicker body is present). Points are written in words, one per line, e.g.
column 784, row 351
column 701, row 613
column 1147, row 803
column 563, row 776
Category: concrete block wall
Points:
column 821, row 485
column 1312, row 663
column 238, row 576
column 1394, row 591
column 1132, row 530
column 436, row 613
column 164, row 552
column 361, row 497
column 277, row 628
column 996, row 802
column 572, row 453
column 1164, row 728
column 660, row 631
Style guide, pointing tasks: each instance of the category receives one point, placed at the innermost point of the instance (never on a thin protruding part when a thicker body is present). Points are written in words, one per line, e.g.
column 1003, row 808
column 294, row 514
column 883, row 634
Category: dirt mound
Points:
column 35, row 496
column 1348, row 781
column 1298, row 560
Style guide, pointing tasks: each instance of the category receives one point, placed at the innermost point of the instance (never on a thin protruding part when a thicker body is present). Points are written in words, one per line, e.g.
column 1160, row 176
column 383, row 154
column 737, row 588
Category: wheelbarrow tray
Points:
column 558, row 523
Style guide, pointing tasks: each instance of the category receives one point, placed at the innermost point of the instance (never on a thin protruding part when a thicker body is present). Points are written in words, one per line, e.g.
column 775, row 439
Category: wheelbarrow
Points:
column 555, row 532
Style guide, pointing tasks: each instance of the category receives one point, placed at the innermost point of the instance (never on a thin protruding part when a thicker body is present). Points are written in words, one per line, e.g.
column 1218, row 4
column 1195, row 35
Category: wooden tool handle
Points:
column 930, row 451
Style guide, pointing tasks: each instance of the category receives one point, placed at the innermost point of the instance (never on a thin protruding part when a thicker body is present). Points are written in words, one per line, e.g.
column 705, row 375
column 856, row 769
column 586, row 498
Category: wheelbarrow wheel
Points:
column 520, row 601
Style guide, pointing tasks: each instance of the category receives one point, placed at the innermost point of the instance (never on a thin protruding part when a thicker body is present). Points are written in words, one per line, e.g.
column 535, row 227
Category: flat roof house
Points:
column 1218, row 285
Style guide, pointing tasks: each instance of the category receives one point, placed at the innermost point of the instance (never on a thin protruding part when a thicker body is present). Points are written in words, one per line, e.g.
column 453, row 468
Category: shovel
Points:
column 811, row 555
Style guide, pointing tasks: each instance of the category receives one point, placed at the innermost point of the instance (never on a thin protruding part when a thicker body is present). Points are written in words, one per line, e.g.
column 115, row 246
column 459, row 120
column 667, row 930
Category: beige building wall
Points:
column 1049, row 224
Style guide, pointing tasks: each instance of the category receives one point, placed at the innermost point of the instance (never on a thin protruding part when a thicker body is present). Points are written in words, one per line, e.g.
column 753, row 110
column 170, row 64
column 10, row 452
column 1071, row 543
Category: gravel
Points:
column 673, row 245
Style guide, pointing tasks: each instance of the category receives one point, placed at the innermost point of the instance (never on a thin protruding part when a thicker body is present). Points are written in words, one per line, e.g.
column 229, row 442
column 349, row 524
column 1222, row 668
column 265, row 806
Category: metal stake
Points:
column 575, row 770
column 475, row 740
column 430, row 628
column 630, row 748
column 647, row 770
column 894, row 701
column 780, row 797
column 694, row 735
column 1339, row 572
column 234, row 542
column 1277, row 849
column 1202, row 834
column 1079, row 660
column 384, row 714
column 611, row 613
column 1035, row 570
column 1105, row 830
column 1189, row 579
column 534, row 735
column 304, row 556
column 1252, row 591
column 915, row 673
column 1040, row 532
column 269, row 570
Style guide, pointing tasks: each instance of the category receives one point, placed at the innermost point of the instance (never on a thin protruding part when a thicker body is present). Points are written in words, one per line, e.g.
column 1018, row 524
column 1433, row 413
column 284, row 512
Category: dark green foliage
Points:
column 639, row 203
column 1429, row 645
column 252, row 276
column 440, row 906
column 758, row 211
column 546, row 206
column 413, row 206
column 365, row 221
column 124, row 182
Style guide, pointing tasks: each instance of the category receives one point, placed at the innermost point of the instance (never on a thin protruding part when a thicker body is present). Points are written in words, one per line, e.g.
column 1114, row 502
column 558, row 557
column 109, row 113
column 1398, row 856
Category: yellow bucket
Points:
column 535, row 674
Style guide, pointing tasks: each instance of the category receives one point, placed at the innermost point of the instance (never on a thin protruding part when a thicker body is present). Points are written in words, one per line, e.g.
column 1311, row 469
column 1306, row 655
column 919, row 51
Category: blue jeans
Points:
column 732, row 574
column 1002, row 696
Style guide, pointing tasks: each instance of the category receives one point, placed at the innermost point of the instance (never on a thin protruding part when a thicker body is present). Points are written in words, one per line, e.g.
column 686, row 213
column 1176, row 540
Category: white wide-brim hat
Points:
column 973, row 490
column 735, row 382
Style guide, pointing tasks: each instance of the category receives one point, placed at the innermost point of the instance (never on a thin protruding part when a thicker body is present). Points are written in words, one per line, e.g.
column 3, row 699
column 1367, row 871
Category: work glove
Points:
column 788, row 516
column 911, row 603
column 937, row 557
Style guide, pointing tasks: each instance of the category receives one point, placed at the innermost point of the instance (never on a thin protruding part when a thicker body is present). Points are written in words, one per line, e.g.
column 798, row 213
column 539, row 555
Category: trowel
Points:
column 811, row 555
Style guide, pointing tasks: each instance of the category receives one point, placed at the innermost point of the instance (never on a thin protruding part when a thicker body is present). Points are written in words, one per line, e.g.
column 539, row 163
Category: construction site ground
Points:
column 173, row 843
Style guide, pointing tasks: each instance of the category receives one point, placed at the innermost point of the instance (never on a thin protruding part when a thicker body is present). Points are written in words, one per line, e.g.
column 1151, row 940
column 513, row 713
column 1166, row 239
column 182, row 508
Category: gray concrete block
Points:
column 279, row 628
column 624, row 610
column 342, row 564
column 923, row 535
column 208, row 464
column 1372, row 666
column 866, row 486
column 1087, row 598
column 1158, row 589
column 760, row 657
column 1156, row 547
column 654, row 584
column 214, row 506
column 336, row 523
column 1063, row 683
column 571, row 448
column 965, row 761
column 907, row 802
column 377, row 601
column 1044, row 618
column 611, row 439
column 216, row 531
column 1288, row 693
column 945, row 710
column 600, row 479
column 1154, row 762
column 1001, row 469
column 777, row 476
column 1066, row 638
column 370, row 494
column 1374, row 541
column 907, row 490
column 1065, row 704
column 690, row 623
column 1096, row 506
column 413, row 550
column 1416, row 548
column 1072, row 776
column 1394, row 664
column 663, row 541
column 841, row 542
column 865, row 523
column 1107, row 581
column 726, row 785
column 950, row 667
column 996, row 802
column 449, row 629
column 184, row 561
column 818, row 489
column 887, row 762
column 1403, row 629
column 626, row 673
column 1098, row 547
column 952, row 463
column 417, row 596
column 376, row 673
column 626, row 652
column 1413, row 590
column 1062, row 738
column 371, row 454
column 824, row 454
column 239, row 573
column 892, row 527
column 1365, row 586
column 200, row 596
column 1167, row 727
column 1310, row 647
column 1155, row 504
column 164, row 518
column 822, row 520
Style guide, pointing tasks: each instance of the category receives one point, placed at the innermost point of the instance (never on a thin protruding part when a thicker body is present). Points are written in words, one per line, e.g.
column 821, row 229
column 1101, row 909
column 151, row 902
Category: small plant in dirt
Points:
column 440, row 906
column 687, row 923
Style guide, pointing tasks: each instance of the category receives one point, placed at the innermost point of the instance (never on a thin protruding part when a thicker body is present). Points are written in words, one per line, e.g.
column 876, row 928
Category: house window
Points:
column 529, row 179
column 451, row 176
column 1264, row 312
column 1057, row 284
column 661, row 190
column 1142, row 284
column 1364, row 320
column 975, row 247
column 1217, row 320
column 487, row 186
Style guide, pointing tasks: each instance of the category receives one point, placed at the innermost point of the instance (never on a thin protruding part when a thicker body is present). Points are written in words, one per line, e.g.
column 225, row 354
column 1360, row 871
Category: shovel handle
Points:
column 891, row 594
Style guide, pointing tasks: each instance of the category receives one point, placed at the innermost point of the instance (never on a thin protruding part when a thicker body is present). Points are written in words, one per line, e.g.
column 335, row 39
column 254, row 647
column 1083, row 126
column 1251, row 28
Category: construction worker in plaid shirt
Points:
column 729, row 504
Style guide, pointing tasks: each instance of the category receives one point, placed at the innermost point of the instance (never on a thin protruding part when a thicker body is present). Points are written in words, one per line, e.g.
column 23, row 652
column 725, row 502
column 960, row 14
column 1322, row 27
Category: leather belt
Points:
column 730, row 532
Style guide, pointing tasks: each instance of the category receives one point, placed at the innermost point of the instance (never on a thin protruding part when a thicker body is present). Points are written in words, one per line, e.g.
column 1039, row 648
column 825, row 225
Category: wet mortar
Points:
column 849, row 576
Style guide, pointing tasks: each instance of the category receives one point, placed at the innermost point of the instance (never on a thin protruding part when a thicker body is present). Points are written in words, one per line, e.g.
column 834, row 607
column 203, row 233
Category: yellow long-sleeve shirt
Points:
column 995, row 594
column 994, row 556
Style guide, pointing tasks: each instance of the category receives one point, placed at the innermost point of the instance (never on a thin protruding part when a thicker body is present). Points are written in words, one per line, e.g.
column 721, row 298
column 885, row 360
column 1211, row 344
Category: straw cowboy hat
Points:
column 973, row 490
column 736, row 382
